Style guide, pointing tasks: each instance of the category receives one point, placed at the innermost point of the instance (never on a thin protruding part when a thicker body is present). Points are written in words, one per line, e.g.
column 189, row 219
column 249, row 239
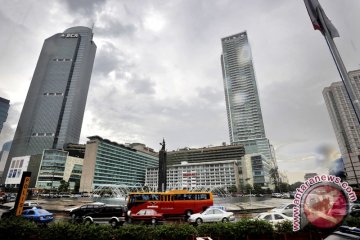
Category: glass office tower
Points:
column 54, row 107
column 241, row 95
column 4, row 108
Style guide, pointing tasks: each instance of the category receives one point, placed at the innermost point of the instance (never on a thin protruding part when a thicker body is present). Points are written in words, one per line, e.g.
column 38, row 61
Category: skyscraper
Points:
column 54, row 107
column 4, row 108
column 241, row 95
column 345, row 124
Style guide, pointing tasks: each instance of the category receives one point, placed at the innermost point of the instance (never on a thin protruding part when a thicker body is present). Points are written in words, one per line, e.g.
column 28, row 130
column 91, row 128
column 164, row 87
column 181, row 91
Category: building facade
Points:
column 18, row 165
column 345, row 124
column 206, row 154
column 57, row 165
column 4, row 108
column 108, row 163
column 3, row 157
column 241, row 96
column 203, row 175
column 255, row 170
column 54, row 107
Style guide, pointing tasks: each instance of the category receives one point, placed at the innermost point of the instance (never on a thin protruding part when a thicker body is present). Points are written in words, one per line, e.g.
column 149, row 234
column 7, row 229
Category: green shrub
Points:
column 284, row 227
column 217, row 230
column 134, row 232
column 175, row 232
column 63, row 230
column 254, row 227
column 18, row 228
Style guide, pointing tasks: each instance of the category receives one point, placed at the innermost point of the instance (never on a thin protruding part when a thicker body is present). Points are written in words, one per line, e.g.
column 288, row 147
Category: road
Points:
column 240, row 206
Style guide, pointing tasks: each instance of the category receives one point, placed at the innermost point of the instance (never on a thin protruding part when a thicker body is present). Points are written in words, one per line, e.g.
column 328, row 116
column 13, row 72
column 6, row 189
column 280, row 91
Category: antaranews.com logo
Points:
column 322, row 201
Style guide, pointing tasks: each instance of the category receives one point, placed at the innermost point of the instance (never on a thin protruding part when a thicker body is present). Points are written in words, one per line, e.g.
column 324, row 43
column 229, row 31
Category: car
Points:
column 273, row 217
column 344, row 232
column 113, row 214
column 30, row 204
column 285, row 195
column 286, row 209
column 211, row 215
column 77, row 213
column 38, row 215
column 146, row 216
column 276, row 195
column 11, row 211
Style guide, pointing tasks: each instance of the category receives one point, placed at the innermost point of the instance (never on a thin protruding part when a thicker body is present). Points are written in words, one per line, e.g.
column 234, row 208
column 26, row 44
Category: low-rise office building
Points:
column 57, row 165
column 206, row 154
column 108, row 163
column 255, row 170
column 203, row 175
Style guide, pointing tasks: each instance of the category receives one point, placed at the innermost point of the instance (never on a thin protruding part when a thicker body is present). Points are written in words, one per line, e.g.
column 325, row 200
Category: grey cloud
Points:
column 211, row 94
column 84, row 7
column 111, row 27
column 141, row 85
column 109, row 58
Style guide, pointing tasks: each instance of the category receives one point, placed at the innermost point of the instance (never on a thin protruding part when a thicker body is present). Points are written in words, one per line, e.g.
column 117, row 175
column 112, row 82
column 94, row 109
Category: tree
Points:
column 274, row 176
column 248, row 188
column 284, row 186
column 294, row 186
column 258, row 189
column 232, row 189
column 64, row 186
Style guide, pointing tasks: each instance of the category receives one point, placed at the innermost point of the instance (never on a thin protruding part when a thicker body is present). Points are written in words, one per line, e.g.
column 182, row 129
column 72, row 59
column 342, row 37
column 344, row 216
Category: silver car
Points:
column 274, row 217
column 286, row 209
column 211, row 215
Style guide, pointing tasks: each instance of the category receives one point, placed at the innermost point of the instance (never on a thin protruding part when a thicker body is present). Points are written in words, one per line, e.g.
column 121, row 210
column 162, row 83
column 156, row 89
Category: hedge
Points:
column 19, row 228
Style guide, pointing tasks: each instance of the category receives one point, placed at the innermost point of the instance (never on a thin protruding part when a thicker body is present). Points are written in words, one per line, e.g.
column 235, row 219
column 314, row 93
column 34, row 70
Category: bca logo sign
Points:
column 70, row 35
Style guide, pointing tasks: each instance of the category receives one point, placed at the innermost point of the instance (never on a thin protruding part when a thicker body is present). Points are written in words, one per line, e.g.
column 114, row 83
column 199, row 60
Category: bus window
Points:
column 179, row 197
column 203, row 196
column 154, row 197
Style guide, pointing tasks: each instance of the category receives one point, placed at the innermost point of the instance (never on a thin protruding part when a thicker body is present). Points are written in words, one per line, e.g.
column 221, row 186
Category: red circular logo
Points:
column 325, row 206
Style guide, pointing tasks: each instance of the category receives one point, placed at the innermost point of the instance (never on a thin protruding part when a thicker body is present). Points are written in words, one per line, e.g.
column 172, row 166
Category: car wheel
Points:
column 225, row 220
column 153, row 221
column 199, row 221
column 114, row 223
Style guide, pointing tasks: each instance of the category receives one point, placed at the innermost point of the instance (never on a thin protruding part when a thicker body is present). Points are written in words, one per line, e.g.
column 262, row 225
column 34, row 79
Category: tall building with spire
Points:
column 55, row 103
column 345, row 124
column 242, row 98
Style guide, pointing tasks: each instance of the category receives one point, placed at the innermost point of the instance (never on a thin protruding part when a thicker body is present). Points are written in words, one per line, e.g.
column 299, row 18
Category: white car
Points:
column 286, row 209
column 211, row 215
column 274, row 218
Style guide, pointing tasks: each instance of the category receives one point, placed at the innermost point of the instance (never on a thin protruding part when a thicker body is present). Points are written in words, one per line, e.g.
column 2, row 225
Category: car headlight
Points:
column 128, row 213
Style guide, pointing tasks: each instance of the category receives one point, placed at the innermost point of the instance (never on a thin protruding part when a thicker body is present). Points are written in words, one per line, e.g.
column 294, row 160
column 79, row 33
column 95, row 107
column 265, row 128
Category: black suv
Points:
column 78, row 213
column 113, row 214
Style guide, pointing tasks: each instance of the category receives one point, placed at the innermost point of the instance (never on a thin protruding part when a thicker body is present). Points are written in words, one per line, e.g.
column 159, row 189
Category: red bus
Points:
column 171, row 203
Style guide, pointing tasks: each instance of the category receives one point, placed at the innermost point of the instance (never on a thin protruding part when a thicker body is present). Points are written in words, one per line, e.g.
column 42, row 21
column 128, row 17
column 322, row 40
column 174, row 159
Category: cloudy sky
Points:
column 157, row 69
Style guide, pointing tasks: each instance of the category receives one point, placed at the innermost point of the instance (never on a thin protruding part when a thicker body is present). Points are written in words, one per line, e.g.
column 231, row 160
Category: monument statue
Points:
column 162, row 168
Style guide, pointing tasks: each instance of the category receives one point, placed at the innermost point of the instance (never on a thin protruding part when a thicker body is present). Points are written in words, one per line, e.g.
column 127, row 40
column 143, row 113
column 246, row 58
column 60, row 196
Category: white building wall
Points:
column 17, row 166
column 197, row 175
